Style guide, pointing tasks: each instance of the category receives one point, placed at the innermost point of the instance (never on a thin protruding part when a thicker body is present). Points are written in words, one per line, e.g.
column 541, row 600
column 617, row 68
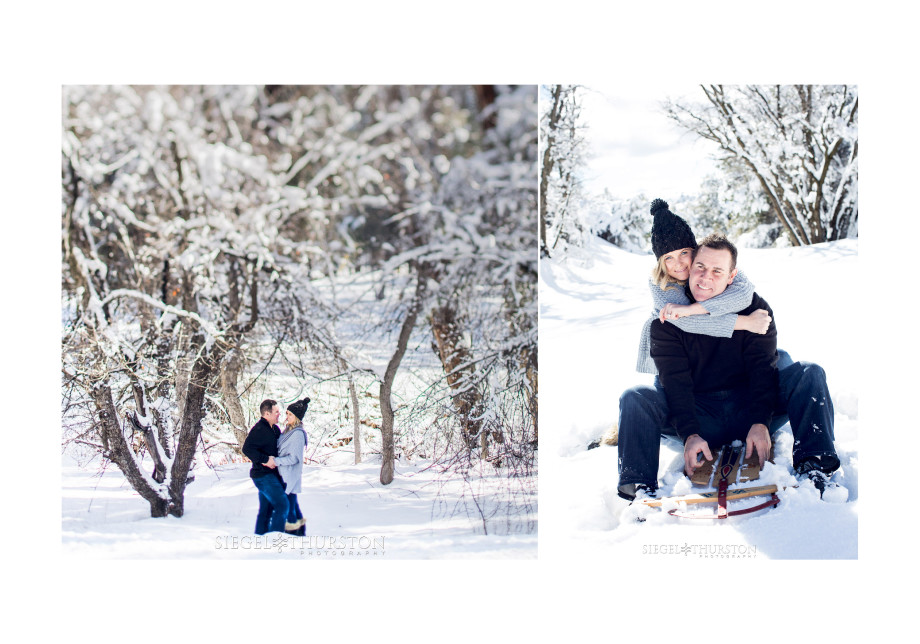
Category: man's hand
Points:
column 758, row 438
column 270, row 463
column 756, row 322
column 692, row 448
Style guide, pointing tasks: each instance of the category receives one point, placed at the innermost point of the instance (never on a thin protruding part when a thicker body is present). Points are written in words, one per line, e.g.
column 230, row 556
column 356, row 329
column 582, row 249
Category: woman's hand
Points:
column 756, row 322
column 674, row 311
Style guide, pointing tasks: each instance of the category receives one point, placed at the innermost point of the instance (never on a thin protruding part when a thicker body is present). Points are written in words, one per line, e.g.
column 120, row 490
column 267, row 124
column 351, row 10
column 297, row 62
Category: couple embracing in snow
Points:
column 711, row 341
column 277, row 466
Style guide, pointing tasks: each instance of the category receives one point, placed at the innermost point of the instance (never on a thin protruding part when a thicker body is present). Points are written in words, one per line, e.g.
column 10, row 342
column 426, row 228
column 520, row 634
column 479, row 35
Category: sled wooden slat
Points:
column 703, row 473
column 712, row 497
column 750, row 470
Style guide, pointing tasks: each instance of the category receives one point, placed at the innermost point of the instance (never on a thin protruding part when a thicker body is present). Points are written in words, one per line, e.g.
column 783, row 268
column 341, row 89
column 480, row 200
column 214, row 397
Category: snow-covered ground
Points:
column 423, row 514
column 592, row 307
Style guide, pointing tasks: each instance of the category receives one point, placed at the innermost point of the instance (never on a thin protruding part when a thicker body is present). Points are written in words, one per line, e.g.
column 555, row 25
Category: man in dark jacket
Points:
column 260, row 447
column 717, row 390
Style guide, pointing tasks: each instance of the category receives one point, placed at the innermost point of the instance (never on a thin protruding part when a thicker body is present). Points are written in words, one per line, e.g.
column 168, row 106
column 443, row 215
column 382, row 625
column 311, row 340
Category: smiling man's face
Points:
column 273, row 415
column 711, row 273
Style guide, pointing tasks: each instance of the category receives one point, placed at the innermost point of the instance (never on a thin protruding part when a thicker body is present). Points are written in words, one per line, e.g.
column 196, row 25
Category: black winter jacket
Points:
column 261, row 443
column 690, row 363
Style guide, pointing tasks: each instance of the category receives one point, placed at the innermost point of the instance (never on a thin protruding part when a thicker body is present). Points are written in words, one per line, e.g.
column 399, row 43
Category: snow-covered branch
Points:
column 207, row 326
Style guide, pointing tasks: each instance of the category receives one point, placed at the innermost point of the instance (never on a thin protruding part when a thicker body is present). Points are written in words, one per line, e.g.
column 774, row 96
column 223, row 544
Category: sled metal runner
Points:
column 721, row 499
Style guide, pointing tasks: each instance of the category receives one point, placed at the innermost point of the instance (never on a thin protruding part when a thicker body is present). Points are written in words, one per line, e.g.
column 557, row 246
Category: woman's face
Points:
column 290, row 420
column 677, row 264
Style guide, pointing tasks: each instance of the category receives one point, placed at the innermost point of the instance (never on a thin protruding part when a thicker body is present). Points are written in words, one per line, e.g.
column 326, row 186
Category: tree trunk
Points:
column 455, row 358
column 161, row 422
column 165, row 375
column 386, row 387
column 547, row 169
column 529, row 360
column 231, row 368
column 190, row 429
column 185, row 349
column 119, row 452
column 153, row 448
column 145, row 427
column 355, row 411
column 184, row 362
column 232, row 363
column 485, row 96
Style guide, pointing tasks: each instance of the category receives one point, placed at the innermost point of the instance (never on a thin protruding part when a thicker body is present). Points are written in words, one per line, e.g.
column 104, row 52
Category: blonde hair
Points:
column 662, row 279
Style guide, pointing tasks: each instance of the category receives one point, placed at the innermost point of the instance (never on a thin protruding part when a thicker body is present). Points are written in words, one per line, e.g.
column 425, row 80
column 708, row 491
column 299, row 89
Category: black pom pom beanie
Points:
column 299, row 408
column 669, row 232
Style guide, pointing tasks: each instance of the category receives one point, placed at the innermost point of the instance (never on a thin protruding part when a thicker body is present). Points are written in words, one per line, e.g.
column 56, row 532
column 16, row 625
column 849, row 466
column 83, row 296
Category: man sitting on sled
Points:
column 720, row 389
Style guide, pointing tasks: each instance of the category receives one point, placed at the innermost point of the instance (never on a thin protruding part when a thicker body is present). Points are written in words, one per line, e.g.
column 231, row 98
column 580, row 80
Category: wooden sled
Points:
column 732, row 467
column 739, row 470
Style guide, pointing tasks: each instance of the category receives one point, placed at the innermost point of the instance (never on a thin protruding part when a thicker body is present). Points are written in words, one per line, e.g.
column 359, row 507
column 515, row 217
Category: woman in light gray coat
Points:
column 673, row 243
column 291, row 446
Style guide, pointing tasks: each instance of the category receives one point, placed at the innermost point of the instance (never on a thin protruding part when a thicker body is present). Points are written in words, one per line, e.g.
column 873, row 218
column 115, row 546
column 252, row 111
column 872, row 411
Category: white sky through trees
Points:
column 635, row 148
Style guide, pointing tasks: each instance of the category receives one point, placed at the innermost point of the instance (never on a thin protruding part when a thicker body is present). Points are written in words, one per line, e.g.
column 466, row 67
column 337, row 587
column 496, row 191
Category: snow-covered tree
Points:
column 446, row 224
column 734, row 204
column 495, row 190
column 626, row 223
column 798, row 142
column 173, row 232
column 466, row 241
column 562, row 153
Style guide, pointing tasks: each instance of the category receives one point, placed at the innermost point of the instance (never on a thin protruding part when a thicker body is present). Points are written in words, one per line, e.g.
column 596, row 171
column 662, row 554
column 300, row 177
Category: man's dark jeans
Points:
column 804, row 401
column 273, row 504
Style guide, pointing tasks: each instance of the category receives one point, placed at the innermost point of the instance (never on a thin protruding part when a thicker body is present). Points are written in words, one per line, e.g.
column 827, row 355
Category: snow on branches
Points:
column 799, row 142
column 562, row 152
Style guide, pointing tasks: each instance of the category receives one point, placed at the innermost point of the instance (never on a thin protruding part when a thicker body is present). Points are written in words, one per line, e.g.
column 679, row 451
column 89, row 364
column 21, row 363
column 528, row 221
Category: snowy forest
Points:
column 785, row 168
column 373, row 248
